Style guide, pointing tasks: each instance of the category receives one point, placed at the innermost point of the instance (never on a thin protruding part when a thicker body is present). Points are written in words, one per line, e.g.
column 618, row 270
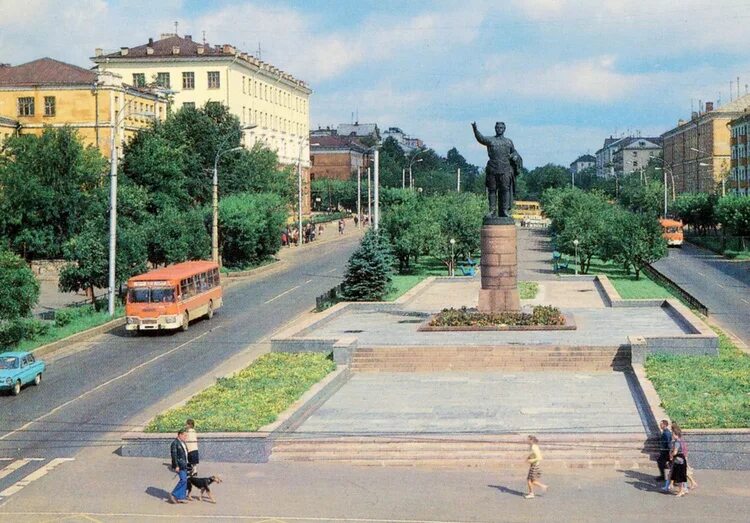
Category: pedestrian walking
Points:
column 535, row 467
column 679, row 462
column 320, row 229
column 341, row 226
column 665, row 447
column 191, row 442
column 356, row 220
column 179, row 453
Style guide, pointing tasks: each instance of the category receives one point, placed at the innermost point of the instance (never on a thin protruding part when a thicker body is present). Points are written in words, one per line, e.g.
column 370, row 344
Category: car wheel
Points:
column 16, row 390
column 210, row 313
column 38, row 379
column 185, row 321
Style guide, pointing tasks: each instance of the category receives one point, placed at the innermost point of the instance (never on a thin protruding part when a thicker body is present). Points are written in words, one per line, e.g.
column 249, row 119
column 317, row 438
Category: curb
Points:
column 274, row 265
column 49, row 348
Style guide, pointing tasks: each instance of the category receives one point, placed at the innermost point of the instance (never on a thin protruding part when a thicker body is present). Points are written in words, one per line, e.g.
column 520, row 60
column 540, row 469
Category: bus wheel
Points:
column 210, row 313
column 185, row 321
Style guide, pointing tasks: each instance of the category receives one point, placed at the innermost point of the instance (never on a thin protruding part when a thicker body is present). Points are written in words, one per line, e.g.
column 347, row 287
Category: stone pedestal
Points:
column 499, row 268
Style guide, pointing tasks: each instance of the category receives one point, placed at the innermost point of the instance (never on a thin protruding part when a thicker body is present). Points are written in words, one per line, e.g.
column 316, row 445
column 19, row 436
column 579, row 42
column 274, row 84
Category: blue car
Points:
column 19, row 368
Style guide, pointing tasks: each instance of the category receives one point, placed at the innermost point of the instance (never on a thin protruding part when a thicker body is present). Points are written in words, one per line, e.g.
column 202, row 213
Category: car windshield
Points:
column 8, row 362
column 156, row 295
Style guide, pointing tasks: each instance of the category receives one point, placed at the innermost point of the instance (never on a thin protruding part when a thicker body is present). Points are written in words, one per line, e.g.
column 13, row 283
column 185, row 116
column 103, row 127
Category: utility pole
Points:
column 458, row 180
column 572, row 178
column 359, row 196
column 403, row 178
column 376, row 181
column 369, row 197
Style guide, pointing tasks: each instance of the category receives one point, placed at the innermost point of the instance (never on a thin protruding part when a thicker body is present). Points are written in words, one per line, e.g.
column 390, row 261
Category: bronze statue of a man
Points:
column 502, row 168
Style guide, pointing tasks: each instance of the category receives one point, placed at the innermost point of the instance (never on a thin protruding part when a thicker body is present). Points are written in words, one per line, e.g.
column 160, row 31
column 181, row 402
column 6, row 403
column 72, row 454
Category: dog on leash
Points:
column 204, row 485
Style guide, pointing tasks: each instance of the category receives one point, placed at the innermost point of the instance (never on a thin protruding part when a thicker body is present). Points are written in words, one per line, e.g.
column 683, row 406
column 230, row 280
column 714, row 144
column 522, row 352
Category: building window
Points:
column 213, row 80
column 188, row 80
column 26, row 106
column 162, row 80
column 243, row 85
column 139, row 80
column 49, row 106
column 189, row 105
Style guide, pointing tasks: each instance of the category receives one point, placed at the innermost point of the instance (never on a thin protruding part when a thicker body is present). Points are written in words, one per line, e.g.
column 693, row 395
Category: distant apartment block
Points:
column 407, row 143
column 622, row 156
column 698, row 151
column 336, row 157
column 582, row 162
column 49, row 93
column 359, row 130
column 738, row 181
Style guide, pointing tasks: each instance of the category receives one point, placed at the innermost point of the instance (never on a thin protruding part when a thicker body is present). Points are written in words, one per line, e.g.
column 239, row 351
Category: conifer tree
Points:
column 368, row 273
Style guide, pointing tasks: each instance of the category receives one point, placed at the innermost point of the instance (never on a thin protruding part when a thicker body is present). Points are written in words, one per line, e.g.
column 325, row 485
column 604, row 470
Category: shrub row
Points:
column 464, row 317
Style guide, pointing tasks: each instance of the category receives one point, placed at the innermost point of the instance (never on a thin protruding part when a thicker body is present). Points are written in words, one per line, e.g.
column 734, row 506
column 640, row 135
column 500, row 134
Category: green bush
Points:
column 14, row 331
column 250, row 227
column 19, row 290
column 66, row 315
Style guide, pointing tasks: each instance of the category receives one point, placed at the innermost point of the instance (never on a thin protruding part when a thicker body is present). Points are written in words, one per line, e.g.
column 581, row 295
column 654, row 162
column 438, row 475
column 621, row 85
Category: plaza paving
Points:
column 484, row 402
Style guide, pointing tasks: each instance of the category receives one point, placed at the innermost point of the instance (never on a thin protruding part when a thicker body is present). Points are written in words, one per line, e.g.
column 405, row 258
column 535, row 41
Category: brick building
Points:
column 336, row 157
column 698, row 152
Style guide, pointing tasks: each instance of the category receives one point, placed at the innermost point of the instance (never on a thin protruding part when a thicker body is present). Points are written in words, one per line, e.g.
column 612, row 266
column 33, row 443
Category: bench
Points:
column 557, row 261
column 468, row 267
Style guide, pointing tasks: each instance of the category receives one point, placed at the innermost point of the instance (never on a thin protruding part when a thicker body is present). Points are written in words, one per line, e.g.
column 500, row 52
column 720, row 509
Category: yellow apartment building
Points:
column 738, row 182
column 697, row 153
column 49, row 93
column 259, row 94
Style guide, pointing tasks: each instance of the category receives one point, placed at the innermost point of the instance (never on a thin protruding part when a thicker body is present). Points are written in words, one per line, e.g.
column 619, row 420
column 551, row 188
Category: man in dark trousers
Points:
column 665, row 445
column 179, row 453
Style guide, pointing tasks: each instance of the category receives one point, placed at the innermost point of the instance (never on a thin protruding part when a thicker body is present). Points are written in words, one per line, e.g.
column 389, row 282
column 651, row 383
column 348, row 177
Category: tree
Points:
column 368, row 272
column 458, row 217
column 250, row 227
column 549, row 176
column 733, row 212
column 697, row 210
column 19, row 289
column 258, row 171
column 175, row 236
column 639, row 240
column 409, row 227
column 47, row 182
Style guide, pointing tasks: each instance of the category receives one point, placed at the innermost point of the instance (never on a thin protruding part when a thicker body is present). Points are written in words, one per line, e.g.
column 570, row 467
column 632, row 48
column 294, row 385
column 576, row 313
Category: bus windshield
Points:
column 155, row 295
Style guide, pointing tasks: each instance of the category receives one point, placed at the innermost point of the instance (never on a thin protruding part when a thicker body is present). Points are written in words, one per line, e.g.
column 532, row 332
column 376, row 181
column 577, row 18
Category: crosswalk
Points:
column 24, row 471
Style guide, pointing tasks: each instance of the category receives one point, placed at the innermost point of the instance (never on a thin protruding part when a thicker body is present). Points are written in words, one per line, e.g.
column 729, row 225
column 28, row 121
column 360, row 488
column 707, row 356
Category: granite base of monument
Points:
column 499, row 267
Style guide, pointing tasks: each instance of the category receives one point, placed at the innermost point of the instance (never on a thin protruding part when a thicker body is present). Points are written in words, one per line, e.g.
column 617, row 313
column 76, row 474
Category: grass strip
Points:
column 704, row 391
column 77, row 325
column 250, row 399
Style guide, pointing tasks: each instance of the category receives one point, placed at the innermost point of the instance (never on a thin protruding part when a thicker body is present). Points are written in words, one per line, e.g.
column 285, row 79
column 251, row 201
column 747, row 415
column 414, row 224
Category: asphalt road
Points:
column 93, row 391
column 721, row 284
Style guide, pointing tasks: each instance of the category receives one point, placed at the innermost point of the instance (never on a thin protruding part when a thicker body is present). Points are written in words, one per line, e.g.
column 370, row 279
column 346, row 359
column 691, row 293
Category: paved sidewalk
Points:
column 101, row 486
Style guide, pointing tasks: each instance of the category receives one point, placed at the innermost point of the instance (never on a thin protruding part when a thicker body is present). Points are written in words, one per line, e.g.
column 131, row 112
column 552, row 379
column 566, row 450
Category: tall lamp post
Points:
column 411, row 163
column 575, row 244
column 453, row 257
column 117, row 118
column 215, row 194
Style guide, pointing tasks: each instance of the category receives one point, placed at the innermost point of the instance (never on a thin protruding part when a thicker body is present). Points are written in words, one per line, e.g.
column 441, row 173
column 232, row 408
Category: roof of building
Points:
column 174, row 46
column 358, row 129
column 735, row 106
column 585, row 158
column 337, row 142
column 45, row 71
column 631, row 140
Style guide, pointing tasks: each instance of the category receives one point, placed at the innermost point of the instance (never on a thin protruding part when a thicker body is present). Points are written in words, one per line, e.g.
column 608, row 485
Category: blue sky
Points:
column 563, row 74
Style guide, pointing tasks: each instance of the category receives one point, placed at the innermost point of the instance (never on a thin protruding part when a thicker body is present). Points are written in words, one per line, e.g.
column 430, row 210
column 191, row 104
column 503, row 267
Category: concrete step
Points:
column 498, row 464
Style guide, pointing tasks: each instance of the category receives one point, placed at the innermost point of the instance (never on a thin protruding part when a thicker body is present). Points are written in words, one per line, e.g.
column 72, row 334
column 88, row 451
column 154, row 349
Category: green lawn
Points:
column 732, row 248
column 250, row 399
column 626, row 284
column 77, row 325
column 704, row 391
column 429, row 266
column 266, row 261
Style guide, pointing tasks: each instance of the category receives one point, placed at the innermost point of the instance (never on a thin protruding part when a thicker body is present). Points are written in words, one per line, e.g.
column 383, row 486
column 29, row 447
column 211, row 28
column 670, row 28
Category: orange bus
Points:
column 671, row 231
column 168, row 298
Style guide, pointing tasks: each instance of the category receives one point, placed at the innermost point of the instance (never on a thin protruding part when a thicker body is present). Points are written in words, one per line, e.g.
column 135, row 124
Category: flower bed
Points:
column 541, row 317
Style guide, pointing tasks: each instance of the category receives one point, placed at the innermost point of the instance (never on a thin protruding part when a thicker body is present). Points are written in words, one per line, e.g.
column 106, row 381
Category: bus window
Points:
column 162, row 295
column 138, row 296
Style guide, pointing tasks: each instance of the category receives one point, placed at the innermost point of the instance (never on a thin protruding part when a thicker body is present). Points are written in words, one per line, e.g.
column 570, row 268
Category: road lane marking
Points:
column 743, row 299
column 102, row 385
column 282, row 294
column 39, row 473
column 332, row 270
column 308, row 281
column 10, row 469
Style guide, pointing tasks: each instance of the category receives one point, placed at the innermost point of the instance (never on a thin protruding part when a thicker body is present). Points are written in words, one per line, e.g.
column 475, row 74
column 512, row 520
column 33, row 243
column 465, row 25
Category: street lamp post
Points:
column 359, row 196
column 376, row 182
column 117, row 116
column 411, row 163
column 215, row 194
column 453, row 257
column 575, row 244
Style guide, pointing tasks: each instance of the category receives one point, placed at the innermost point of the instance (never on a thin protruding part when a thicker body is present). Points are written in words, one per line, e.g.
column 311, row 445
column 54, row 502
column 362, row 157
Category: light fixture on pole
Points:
column 575, row 244
column 117, row 117
column 215, row 193
column 453, row 257
column 411, row 163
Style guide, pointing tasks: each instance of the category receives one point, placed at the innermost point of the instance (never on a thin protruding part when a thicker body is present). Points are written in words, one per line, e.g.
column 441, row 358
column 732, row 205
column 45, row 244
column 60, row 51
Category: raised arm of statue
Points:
column 480, row 138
